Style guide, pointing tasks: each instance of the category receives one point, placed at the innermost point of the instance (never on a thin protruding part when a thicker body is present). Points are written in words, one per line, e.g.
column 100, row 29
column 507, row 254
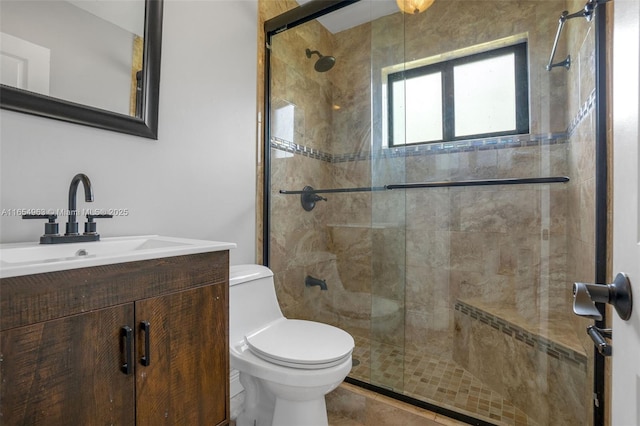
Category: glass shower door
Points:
column 459, row 175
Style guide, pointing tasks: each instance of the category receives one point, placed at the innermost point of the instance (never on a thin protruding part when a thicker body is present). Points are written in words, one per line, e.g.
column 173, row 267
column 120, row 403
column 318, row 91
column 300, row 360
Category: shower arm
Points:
column 587, row 13
column 567, row 62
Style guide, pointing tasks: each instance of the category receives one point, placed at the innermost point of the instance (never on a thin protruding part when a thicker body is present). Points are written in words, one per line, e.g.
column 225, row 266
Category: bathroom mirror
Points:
column 66, row 59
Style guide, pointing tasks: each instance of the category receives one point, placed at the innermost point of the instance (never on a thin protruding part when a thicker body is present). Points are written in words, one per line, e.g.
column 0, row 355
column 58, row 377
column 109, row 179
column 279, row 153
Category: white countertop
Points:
column 33, row 258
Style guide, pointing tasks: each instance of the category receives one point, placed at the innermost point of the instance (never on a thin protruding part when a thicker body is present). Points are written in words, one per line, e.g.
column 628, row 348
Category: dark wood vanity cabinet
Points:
column 187, row 368
column 139, row 343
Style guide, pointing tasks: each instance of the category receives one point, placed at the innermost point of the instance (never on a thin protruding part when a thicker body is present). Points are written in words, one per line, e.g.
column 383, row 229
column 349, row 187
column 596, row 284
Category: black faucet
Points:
column 71, row 235
column 72, row 223
column 310, row 281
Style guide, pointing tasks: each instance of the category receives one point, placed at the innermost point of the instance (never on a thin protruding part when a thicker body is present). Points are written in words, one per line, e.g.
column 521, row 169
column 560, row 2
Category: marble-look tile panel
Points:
column 474, row 252
column 501, row 210
column 427, row 210
column 427, row 288
column 387, row 262
column 352, row 246
column 587, row 209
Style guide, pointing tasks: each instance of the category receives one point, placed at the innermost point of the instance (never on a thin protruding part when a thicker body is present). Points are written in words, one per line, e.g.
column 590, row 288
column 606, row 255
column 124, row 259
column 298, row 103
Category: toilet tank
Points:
column 252, row 300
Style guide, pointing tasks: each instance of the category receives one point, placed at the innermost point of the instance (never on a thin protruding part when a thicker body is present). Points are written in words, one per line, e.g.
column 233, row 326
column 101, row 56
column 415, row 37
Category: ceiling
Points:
column 356, row 14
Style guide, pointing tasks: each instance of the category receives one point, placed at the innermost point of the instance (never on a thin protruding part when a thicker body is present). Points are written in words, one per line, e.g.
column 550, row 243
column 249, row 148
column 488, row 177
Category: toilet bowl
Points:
column 286, row 366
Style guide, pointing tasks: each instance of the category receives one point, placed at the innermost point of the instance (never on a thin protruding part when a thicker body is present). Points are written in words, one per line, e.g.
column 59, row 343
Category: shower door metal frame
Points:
column 317, row 8
column 287, row 20
column 601, row 199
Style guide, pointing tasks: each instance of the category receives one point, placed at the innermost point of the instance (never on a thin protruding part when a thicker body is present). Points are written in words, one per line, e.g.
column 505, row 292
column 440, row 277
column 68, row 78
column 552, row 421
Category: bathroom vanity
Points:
column 141, row 342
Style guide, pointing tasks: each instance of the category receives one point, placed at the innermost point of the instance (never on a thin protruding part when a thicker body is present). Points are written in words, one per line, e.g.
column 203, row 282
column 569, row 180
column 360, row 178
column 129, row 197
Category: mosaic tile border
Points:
column 541, row 343
column 426, row 149
column 586, row 108
column 294, row 148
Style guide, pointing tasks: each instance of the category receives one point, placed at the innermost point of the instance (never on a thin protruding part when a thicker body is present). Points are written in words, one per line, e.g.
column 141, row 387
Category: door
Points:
column 67, row 371
column 185, row 375
column 626, row 215
column 25, row 65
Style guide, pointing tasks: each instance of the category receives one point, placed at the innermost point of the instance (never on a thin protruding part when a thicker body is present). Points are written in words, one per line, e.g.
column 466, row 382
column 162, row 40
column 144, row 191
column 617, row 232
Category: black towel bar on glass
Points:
column 441, row 184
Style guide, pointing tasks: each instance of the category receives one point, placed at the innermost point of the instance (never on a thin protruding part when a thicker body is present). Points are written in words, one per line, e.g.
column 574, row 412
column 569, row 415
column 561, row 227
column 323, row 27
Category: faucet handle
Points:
column 40, row 216
column 90, row 225
column 51, row 227
column 90, row 217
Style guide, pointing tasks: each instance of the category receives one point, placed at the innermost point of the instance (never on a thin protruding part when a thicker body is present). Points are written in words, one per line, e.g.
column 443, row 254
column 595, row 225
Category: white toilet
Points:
column 286, row 366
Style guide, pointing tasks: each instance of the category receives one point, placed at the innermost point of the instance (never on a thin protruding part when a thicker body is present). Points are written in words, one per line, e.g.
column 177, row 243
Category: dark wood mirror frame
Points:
column 145, row 126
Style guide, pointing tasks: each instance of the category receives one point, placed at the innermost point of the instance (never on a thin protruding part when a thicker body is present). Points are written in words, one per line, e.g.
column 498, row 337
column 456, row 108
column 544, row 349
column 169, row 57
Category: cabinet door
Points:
column 67, row 371
column 186, row 380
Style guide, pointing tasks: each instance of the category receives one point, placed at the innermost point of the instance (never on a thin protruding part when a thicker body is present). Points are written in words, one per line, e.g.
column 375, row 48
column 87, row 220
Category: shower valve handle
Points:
column 309, row 198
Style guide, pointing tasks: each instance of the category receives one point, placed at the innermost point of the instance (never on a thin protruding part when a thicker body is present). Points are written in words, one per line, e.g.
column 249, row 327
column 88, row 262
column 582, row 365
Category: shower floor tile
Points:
column 438, row 381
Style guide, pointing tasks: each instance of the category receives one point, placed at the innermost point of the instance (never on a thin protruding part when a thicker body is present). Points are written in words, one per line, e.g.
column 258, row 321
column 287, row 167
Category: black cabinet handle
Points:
column 126, row 334
column 145, row 327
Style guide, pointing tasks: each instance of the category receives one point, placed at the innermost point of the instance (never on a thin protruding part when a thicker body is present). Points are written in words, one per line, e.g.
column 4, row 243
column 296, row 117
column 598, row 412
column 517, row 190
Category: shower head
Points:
column 324, row 63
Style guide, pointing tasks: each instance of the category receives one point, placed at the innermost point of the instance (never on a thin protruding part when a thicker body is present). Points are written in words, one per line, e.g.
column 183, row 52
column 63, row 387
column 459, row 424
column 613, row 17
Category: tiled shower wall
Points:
column 334, row 117
column 502, row 250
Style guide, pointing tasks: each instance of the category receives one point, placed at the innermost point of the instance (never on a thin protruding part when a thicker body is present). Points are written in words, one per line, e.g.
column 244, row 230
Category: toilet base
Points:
column 298, row 413
column 287, row 413
column 304, row 407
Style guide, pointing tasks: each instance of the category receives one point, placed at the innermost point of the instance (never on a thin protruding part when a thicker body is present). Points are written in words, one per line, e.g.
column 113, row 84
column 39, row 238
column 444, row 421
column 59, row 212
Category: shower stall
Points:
column 433, row 185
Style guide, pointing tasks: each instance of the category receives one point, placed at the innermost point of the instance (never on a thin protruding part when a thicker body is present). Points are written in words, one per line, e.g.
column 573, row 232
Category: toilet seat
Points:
column 301, row 344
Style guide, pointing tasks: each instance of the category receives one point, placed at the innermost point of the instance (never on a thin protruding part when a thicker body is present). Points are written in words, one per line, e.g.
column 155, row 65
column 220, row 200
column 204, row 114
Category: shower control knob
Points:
column 309, row 198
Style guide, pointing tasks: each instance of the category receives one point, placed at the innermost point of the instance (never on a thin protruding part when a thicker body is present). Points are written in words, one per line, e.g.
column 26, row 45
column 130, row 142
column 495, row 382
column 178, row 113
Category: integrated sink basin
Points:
column 33, row 258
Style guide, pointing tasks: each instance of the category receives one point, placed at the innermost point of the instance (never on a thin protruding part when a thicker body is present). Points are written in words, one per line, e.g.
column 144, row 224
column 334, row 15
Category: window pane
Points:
column 485, row 93
column 417, row 109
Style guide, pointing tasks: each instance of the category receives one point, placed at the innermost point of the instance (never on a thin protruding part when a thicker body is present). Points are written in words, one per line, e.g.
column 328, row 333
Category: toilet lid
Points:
column 301, row 344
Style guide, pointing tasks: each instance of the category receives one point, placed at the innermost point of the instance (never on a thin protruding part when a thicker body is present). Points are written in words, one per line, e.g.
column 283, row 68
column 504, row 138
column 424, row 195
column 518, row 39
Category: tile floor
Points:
column 438, row 381
column 351, row 405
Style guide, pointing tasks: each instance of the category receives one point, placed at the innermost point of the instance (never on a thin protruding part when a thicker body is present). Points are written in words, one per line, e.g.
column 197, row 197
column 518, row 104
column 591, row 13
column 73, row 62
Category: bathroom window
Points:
column 480, row 95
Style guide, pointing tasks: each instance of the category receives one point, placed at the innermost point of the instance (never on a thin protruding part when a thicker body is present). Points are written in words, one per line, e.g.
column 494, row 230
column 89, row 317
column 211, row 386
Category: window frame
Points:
column 448, row 91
